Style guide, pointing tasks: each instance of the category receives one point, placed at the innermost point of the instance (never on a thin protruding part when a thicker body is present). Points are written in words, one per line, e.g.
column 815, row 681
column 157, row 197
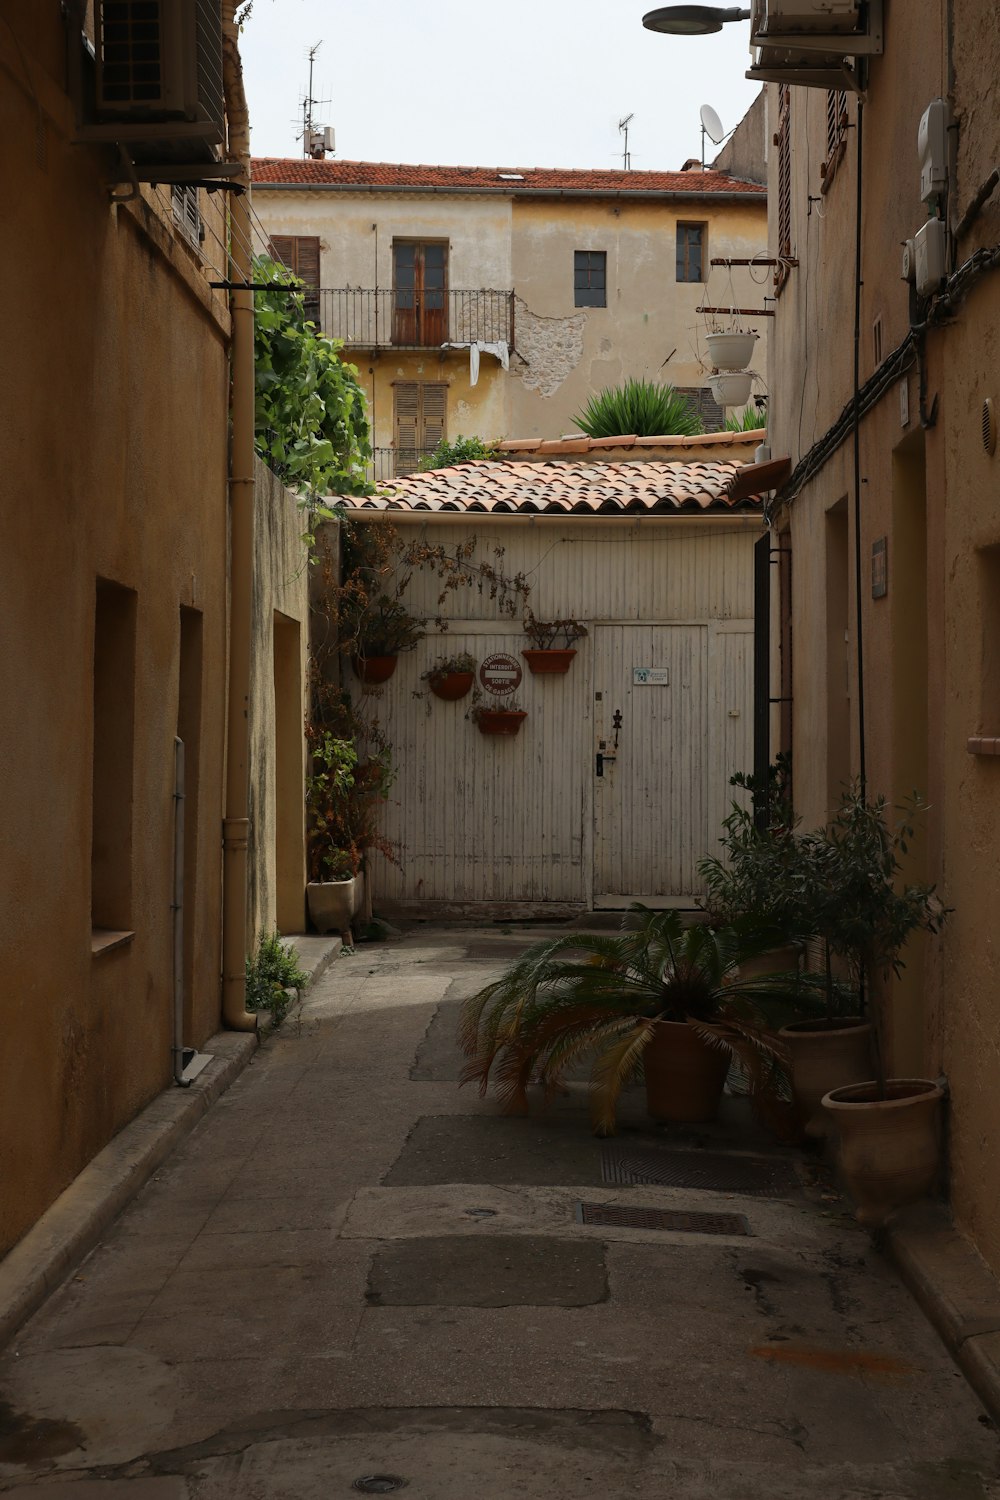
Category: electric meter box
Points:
column 932, row 149
column 929, row 247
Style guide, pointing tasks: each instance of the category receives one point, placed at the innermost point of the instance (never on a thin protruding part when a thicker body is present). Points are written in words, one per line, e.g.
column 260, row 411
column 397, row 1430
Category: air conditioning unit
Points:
column 838, row 29
column 158, row 60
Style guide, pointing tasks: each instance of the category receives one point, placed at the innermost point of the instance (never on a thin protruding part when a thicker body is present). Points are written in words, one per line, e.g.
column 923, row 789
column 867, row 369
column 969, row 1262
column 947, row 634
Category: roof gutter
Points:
column 642, row 195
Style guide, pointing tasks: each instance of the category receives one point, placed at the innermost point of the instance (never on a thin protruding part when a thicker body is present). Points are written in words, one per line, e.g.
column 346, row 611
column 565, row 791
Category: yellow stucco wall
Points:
column 929, row 645
column 114, row 371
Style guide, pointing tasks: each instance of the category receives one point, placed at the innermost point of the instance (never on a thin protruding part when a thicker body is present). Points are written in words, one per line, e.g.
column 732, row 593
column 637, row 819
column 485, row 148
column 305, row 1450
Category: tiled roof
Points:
column 644, row 486
column 641, row 447
column 509, row 180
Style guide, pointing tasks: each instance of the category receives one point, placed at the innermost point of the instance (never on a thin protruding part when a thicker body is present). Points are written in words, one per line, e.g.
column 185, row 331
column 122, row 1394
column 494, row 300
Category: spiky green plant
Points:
column 640, row 407
column 590, row 994
column 747, row 420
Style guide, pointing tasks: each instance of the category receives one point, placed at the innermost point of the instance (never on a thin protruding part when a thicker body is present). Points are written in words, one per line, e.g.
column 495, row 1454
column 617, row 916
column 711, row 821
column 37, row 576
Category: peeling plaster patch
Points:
column 606, row 346
column 552, row 347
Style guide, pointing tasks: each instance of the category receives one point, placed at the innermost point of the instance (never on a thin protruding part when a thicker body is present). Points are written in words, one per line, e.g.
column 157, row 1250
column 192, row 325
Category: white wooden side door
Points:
column 660, row 795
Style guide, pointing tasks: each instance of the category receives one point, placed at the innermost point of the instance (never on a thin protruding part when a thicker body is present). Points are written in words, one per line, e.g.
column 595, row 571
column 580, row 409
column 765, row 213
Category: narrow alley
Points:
column 353, row 1276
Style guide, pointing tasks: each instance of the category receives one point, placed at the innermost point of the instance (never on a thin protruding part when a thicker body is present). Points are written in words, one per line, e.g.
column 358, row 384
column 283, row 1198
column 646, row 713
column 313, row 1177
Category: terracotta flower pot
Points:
column 551, row 660
column 375, row 668
column 684, row 1074
column 825, row 1055
column 451, row 685
column 500, row 720
column 889, row 1148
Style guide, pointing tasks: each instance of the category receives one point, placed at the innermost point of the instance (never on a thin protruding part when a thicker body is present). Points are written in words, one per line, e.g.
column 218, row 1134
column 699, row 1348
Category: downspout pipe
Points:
column 236, row 825
column 178, row 911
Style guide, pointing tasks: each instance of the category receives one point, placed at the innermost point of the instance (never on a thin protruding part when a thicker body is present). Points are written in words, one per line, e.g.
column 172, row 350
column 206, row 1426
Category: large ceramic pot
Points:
column 552, row 659
column 684, row 1074
column 825, row 1055
column 730, row 351
column 332, row 904
column 889, row 1148
column 375, row 668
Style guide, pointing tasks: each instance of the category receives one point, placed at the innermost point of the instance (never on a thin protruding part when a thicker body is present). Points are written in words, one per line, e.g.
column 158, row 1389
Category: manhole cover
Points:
column 662, row 1218
column 379, row 1484
column 709, row 1171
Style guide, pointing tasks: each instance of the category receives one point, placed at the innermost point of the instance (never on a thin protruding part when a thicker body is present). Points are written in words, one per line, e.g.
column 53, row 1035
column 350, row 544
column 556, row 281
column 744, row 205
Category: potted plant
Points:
column 546, row 655
column 731, row 349
column 331, row 892
column 385, row 629
column 498, row 716
column 731, row 388
column 451, row 677
column 888, row 1127
column 774, row 874
column 658, row 997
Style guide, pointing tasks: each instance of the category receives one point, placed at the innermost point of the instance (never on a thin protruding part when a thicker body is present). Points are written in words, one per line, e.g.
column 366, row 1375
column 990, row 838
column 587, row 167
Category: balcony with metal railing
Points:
column 387, row 464
column 394, row 318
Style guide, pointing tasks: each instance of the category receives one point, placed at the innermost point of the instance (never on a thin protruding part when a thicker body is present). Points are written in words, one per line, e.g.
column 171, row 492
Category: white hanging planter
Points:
column 731, row 389
column 730, row 351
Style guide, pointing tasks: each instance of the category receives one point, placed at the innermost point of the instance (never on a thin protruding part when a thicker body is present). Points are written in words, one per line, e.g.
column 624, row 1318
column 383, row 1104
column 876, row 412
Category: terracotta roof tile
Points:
column 509, row 180
column 509, row 486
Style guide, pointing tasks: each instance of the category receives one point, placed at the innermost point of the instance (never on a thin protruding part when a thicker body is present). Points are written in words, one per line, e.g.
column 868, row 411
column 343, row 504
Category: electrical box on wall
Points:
column 932, row 149
column 929, row 245
column 908, row 268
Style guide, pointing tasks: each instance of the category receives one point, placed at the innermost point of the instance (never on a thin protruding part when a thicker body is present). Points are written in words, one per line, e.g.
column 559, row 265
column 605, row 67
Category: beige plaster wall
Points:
column 278, row 668
column 649, row 328
column 115, row 377
column 930, row 645
column 480, row 410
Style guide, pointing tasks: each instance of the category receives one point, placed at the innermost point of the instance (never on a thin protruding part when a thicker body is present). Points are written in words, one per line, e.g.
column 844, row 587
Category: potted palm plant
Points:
column 658, row 997
column 546, row 655
column 331, row 892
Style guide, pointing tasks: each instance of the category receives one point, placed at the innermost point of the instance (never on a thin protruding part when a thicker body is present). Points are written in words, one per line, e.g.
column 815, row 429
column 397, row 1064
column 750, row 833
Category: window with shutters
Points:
column 691, row 242
column 420, row 409
column 836, row 135
column 300, row 253
column 187, row 213
column 590, row 278
column 419, row 293
column 782, row 141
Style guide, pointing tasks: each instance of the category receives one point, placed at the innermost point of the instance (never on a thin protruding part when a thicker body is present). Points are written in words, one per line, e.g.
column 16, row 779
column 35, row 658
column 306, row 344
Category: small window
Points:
column 691, row 240
column 187, row 213
column 590, row 278
column 114, row 729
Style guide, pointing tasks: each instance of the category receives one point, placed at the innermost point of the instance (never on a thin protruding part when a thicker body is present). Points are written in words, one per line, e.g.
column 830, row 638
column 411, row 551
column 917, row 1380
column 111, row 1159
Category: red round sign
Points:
column 500, row 673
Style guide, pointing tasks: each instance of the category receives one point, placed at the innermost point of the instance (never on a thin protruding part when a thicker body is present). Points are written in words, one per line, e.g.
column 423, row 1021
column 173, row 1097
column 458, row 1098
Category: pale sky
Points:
column 521, row 83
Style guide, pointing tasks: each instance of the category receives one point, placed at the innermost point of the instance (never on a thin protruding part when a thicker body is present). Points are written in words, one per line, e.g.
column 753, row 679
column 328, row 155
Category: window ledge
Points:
column 105, row 940
column 983, row 745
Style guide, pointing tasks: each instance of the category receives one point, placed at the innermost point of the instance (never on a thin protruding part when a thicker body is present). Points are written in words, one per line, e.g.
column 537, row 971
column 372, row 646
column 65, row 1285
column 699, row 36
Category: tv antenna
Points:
column 316, row 140
column 711, row 126
column 623, row 126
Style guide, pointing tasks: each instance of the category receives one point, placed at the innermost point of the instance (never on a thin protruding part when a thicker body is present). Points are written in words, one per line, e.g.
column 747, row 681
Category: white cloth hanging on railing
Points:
column 499, row 349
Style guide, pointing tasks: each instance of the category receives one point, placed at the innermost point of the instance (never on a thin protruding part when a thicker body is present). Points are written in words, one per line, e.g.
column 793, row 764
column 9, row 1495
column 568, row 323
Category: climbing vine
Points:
column 310, row 420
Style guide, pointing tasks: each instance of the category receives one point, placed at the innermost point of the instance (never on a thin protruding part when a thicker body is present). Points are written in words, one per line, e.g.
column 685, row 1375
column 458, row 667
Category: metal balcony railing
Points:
column 388, row 318
column 387, row 464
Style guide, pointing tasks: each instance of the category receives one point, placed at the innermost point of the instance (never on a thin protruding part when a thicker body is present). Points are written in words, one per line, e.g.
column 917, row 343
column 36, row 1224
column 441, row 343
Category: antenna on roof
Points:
column 623, row 126
column 316, row 140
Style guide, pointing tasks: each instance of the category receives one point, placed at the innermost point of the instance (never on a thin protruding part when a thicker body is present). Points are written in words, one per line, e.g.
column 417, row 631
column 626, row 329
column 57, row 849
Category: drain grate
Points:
column 708, row 1171
column 662, row 1218
column 379, row 1484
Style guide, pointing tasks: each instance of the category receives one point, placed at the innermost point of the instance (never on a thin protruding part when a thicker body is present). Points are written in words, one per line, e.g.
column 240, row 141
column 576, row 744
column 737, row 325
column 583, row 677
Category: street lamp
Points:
column 692, row 20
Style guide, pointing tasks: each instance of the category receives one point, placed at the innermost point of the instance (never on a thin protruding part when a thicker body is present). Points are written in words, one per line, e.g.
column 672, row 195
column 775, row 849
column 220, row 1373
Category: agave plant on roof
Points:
column 606, row 996
column 640, row 408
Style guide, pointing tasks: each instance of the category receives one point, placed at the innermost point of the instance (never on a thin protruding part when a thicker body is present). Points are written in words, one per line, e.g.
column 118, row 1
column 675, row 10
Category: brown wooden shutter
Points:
column 300, row 253
column 783, row 143
column 435, row 415
column 282, row 248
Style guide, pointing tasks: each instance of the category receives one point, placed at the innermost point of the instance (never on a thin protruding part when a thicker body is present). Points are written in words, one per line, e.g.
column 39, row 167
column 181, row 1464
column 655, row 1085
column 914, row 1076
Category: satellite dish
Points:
column 711, row 124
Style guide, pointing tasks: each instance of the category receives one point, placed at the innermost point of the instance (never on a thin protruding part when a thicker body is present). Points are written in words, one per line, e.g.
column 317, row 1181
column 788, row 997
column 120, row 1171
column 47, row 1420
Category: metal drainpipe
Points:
column 236, row 827
column 178, row 911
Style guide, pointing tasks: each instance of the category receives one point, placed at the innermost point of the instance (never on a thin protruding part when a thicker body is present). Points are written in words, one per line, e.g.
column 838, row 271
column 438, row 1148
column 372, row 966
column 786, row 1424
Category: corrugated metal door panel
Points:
column 482, row 817
column 731, row 718
column 650, row 804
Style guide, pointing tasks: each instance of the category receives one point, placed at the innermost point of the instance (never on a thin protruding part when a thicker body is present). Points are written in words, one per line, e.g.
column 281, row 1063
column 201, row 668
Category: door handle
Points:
column 600, row 764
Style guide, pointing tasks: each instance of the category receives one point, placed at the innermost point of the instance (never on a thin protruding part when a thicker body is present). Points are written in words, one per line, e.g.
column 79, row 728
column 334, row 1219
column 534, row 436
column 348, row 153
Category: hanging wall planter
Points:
column 731, row 389
column 556, row 659
column 451, row 685
column 500, row 720
column 374, row 669
column 730, row 351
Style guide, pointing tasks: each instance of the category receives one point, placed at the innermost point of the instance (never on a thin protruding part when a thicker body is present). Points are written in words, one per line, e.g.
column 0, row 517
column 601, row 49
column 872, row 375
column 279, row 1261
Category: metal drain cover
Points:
column 708, row 1171
column 661, row 1218
column 380, row 1484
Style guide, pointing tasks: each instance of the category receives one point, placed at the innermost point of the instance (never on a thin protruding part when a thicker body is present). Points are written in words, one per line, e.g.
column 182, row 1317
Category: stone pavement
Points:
column 351, row 1268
